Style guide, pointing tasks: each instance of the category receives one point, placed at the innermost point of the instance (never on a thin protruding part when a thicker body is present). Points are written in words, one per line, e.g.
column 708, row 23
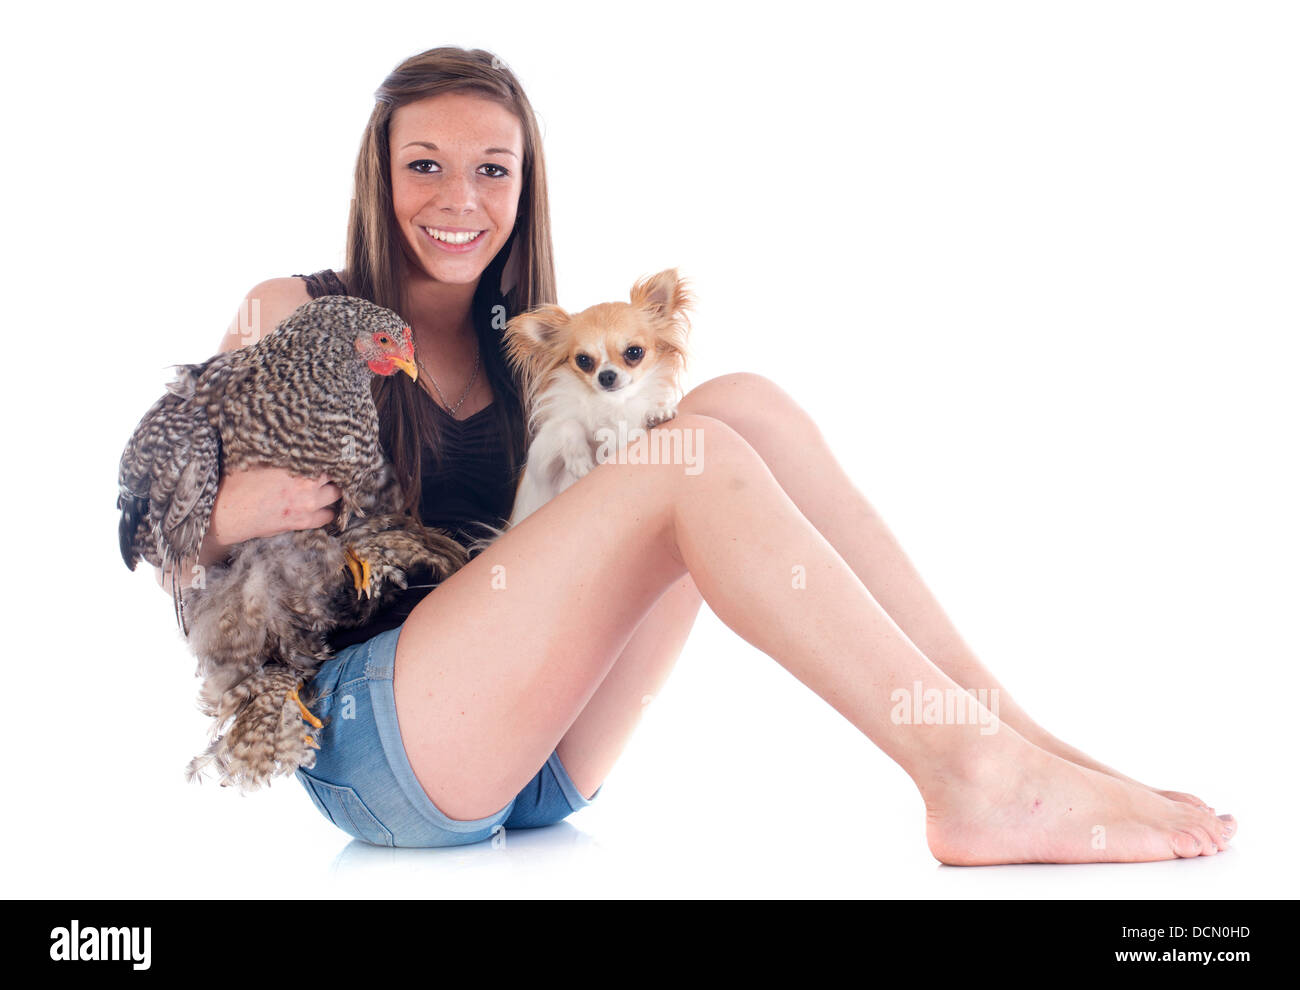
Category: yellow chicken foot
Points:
column 293, row 696
column 360, row 568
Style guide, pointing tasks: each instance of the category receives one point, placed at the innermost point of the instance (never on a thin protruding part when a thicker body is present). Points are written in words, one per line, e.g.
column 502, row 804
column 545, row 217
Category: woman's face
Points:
column 457, row 171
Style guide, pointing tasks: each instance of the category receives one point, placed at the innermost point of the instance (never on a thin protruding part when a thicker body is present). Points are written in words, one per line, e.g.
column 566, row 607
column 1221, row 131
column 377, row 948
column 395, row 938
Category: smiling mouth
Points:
column 454, row 236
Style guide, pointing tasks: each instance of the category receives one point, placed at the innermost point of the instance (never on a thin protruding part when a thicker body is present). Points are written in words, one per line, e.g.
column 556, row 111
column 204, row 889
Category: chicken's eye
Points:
column 584, row 362
column 633, row 354
column 383, row 340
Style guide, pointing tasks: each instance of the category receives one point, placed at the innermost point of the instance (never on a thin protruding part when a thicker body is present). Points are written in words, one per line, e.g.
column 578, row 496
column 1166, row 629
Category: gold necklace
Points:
column 468, row 385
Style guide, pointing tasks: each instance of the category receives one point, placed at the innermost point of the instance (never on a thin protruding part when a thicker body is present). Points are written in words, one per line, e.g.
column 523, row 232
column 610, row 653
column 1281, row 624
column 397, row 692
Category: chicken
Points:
column 299, row 399
column 256, row 649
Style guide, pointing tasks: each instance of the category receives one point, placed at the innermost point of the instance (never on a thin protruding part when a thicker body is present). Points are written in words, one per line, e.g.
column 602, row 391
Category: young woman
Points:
column 504, row 697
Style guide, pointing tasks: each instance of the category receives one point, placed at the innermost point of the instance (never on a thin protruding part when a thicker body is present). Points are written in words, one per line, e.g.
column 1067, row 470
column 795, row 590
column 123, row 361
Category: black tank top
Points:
column 470, row 482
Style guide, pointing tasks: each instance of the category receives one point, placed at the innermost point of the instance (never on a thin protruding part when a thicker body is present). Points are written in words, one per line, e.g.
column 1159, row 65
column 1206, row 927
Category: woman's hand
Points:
column 261, row 502
column 264, row 501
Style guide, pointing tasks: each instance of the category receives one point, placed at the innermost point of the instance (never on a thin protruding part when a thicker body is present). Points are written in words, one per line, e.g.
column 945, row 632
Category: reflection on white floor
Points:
column 556, row 850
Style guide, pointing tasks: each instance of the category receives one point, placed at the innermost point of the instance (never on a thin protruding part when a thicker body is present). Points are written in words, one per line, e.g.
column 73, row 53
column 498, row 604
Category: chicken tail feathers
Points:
column 133, row 509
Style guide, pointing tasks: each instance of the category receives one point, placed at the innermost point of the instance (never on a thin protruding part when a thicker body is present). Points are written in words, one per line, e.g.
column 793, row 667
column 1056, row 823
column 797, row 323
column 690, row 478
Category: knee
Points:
column 750, row 403
column 679, row 449
column 684, row 439
column 704, row 422
column 725, row 391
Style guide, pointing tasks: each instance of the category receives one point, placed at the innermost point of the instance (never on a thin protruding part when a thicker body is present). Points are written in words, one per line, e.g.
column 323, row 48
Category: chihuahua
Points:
column 612, row 369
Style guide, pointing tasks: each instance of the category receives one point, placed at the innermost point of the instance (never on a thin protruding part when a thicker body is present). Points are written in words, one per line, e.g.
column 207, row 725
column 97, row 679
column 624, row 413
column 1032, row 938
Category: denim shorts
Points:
column 363, row 782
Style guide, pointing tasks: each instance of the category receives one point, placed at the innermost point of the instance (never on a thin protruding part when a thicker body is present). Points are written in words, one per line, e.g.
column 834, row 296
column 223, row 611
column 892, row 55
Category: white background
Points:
column 1031, row 266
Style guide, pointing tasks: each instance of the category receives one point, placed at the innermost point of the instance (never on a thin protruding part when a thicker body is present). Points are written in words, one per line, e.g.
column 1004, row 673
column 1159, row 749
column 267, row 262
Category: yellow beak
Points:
column 405, row 365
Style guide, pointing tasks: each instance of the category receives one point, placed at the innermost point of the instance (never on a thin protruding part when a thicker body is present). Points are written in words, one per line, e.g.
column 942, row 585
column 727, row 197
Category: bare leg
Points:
column 794, row 450
column 601, row 732
column 495, row 665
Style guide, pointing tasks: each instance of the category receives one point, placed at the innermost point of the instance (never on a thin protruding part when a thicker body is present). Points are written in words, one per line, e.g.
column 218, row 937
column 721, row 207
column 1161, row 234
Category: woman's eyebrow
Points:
column 433, row 147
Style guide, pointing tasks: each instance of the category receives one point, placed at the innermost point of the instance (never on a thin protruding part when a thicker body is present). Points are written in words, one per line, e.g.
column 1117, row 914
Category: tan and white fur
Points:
column 613, row 364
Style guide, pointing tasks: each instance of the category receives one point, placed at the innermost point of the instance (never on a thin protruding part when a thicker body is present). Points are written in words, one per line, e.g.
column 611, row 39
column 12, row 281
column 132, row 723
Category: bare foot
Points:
column 1041, row 808
column 1179, row 796
column 1065, row 751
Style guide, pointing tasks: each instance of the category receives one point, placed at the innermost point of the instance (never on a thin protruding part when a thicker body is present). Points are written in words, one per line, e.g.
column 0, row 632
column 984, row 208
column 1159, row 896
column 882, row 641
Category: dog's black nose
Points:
column 607, row 378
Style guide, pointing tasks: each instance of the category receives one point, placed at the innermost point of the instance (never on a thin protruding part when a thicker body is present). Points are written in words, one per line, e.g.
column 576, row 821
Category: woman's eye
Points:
column 634, row 354
column 426, row 166
column 583, row 362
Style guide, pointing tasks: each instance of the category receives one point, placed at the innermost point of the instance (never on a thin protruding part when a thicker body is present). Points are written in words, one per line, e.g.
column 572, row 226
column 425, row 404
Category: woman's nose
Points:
column 456, row 194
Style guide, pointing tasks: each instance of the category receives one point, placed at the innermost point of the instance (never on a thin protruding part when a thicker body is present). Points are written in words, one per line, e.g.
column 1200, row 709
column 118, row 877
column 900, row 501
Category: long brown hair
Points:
column 374, row 255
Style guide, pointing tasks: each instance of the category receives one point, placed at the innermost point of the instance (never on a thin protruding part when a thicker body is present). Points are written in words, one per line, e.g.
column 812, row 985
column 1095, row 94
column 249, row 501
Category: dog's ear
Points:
column 537, row 328
column 665, row 295
column 528, row 339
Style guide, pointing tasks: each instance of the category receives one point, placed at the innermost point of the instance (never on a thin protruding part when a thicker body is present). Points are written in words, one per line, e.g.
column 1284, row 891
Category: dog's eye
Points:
column 584, row 362
column 633, row 354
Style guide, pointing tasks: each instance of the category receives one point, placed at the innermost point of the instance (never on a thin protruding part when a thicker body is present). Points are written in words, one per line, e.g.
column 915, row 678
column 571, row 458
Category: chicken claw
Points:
column 293, row 696
column 360, row 568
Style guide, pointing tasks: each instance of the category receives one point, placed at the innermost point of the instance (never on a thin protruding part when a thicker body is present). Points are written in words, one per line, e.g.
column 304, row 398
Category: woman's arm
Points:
column 255, row 503
column 262, row 501
column 266, row 304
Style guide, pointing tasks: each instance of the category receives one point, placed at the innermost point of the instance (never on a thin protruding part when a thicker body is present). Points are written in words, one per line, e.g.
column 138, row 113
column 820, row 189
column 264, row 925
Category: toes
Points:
column 1185, row 798
column 1217, row 837
column 1186, row 844
column 1208, row 831
column 1216, row 828
column 1227, row 827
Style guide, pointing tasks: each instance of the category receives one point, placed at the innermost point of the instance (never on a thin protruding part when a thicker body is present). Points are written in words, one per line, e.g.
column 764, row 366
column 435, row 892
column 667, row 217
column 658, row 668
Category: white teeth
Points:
column 464, row 237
